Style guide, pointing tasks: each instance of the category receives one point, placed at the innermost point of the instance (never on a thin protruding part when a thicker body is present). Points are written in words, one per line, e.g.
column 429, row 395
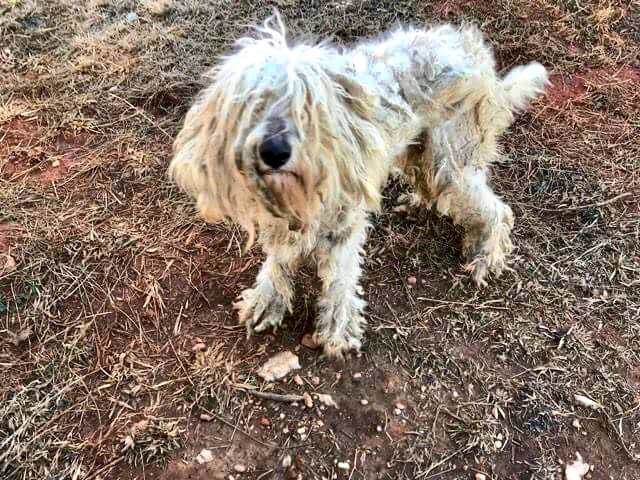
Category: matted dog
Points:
column 295, row 141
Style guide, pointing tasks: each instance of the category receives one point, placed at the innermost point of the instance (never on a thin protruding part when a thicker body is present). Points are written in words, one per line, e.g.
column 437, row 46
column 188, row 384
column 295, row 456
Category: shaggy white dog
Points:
column 295, row 141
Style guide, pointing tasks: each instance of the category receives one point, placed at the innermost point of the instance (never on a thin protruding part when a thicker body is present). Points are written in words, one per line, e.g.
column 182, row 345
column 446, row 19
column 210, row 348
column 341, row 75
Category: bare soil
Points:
column 120, row 355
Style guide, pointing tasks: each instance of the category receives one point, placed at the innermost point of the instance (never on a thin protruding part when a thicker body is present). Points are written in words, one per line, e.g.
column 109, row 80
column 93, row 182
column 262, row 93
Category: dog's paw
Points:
column 489, row 251
column 260, row 309
column 409, row 201
column 336, row 347
column 340, row 330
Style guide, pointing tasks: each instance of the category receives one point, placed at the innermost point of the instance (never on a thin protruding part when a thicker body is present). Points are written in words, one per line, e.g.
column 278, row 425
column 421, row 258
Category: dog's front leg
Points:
column 264, row 305
column 341, row 323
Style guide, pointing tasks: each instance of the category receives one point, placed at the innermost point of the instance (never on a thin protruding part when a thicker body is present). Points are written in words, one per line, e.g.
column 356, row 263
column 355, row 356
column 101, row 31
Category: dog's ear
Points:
column 355, row 96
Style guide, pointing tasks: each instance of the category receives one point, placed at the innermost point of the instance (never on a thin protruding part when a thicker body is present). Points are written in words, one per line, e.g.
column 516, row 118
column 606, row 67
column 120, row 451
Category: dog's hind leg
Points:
column 265, row 305
column 462, row 192
column 340, row 324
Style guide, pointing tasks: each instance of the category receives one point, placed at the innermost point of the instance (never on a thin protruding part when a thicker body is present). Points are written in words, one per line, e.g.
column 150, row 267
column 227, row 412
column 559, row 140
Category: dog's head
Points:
column 283, row 131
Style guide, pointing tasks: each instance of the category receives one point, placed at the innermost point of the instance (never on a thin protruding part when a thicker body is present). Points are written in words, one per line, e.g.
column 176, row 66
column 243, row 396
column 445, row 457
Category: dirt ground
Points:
column 120, row 356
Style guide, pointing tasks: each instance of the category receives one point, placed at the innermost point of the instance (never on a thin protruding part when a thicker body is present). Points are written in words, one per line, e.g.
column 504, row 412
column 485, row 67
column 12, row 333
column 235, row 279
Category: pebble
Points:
column 343, row 465
column 357, row 376
column 279, row 366
column 397, row 411
column 364, row 401
column 205, row 456
column 481, row 476
column 400, row 406
column 576, row 423
column 412, row 280
column 307, row 400
column 497, row 444
column 132, row 17
column 55, row 163
column 206, row 417
column 286, row 461
column 282, row 416
column 240, row 468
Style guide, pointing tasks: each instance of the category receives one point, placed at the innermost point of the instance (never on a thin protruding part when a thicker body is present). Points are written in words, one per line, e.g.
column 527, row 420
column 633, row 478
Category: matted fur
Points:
column 427, row 102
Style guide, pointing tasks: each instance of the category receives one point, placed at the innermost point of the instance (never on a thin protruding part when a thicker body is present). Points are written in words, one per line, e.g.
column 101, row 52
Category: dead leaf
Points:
column 21, row 336
column 7, row 264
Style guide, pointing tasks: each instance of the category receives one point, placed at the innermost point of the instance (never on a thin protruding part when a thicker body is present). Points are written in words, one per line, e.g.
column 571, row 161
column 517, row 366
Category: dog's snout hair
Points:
column 296, row 141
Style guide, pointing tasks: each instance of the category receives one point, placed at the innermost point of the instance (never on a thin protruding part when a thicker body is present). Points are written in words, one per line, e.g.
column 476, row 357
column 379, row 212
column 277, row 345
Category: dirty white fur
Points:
column 427, row 102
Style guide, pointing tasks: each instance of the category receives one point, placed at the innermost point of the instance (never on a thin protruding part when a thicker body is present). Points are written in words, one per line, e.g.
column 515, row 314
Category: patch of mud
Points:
column 31, row 152
column 576, row 88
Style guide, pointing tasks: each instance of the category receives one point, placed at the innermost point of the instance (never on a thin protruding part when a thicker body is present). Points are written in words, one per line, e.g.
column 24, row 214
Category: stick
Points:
column 589, row 205
column 275, row 396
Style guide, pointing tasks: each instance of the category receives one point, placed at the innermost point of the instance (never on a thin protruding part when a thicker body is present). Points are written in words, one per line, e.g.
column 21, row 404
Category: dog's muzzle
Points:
column 275, row 150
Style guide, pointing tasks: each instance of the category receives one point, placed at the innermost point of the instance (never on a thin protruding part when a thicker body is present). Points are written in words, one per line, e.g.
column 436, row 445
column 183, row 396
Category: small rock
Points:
column 357, row 376
column 577, row 470
column 480, row 476
column 132, row 17
column 400, row 406
column 364, row 401
column 279, row 366
column 327, row 400
column 265, row 422
column 343, row 466
column 298, row 380
column 586, row 402
column 55, row 163
column 576, row 424
column 379, row 428
column 301, row 430
column 412, row 280
column 309, row 341
column 239, row 468
column 282, row 416
column 497, row 444
column 206, row 417
column 205, row 456
column 286, row 461
column 397, row 411
column 308, row 402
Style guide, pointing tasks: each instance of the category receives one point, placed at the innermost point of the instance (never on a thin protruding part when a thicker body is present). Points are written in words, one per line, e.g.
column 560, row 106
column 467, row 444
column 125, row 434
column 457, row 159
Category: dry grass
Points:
column 115, row 327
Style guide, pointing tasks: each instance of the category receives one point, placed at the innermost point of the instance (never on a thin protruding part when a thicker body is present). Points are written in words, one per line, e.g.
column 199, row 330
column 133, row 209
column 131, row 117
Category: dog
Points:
column 294, row 141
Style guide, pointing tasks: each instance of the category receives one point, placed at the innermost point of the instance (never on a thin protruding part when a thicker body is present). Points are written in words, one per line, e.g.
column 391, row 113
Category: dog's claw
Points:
column 258, row 311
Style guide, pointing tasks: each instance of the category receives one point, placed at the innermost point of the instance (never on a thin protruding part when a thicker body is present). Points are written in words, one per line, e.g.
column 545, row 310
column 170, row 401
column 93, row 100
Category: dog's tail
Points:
column 496, row 110
column 523, row 84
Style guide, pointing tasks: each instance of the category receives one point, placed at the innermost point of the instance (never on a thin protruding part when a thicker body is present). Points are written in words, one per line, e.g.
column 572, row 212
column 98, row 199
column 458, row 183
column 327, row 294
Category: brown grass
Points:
column 116, row 332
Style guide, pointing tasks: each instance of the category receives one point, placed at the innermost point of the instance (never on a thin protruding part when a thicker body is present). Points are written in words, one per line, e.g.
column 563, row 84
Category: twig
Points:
column 236, row 429
column 588, row 205
column 276, row 396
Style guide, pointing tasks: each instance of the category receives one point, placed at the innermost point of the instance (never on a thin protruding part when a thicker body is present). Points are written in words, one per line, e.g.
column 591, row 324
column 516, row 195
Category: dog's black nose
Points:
column 275, row 151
